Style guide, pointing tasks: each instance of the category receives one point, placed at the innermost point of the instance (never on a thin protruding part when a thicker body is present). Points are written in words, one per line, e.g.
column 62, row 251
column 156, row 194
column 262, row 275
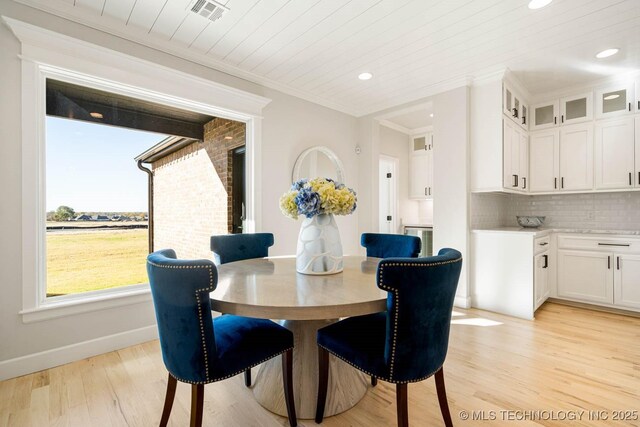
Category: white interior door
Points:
column 388, row 197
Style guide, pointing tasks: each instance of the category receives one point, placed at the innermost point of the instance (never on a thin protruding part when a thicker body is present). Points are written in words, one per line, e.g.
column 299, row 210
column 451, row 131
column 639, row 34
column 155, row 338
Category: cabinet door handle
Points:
column 618, row 263
column 555, row 183
column 515, row 113
column 629, row 106
column 524, row 118
column 608, row 262
column 623, row 245
column 562, row 182
column 515, row 180
column 546, row 261
column 544, row 244
column 638, row 178
column 562, row 119
column 425, row 191
column 555, row 120
column 630, row 179
column 524, row 182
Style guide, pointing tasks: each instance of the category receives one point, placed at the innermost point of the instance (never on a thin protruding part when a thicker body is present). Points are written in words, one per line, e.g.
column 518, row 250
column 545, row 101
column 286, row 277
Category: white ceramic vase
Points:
column 319, row 246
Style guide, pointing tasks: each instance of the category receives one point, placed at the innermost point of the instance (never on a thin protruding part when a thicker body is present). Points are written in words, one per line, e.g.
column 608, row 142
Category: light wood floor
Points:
column 568, row 359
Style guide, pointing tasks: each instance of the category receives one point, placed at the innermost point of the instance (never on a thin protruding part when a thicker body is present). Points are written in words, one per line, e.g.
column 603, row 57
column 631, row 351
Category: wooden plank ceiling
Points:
column 315, row 49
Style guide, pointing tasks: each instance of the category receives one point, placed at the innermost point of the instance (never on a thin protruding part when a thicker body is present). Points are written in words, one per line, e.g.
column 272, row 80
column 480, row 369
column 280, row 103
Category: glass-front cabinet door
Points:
column 615, row 101
column 544, row 115
column 576, row 109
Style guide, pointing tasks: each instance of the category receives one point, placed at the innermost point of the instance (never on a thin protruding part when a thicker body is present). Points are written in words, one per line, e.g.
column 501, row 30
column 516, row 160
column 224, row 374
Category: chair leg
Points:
column 247, row 377
column 197, row 403
column 442, row 398
column 402, row 403
column 168, row 400
column 374, row 381
column 287, row 379
column 323, row 382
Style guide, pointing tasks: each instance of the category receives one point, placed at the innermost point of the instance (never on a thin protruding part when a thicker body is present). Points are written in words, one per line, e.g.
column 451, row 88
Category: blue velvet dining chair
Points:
column 408, row 342
column 197, row 349
column 380, row 245
column 236, row 247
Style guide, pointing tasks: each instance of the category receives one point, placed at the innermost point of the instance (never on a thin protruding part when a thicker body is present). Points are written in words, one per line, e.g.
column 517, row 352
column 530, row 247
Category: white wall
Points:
column 289, row 126
column 451, row 179
column 396, row 144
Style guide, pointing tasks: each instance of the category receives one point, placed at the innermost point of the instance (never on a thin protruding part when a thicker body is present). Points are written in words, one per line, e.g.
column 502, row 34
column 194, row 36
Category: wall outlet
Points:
column 591, row 215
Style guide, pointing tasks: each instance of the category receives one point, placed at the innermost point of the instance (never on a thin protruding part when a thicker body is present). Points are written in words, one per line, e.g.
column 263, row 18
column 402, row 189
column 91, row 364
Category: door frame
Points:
column 395, row 163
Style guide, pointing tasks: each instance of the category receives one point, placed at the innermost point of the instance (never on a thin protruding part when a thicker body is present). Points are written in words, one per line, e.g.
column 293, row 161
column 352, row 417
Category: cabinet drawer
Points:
column 541, row 244
column 613, row 244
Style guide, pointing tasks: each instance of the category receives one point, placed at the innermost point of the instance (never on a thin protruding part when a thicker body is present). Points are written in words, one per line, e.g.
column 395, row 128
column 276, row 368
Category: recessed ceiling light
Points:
column 538, row 4
column 228, row 138
column 610, row 97
column 96, row 115
column 607, row 53
column 365, row 76
column 431, row 115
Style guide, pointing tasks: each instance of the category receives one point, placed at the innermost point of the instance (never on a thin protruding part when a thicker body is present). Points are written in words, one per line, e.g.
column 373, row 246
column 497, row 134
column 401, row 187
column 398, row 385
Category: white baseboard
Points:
column 70, row 353
column 462, row 302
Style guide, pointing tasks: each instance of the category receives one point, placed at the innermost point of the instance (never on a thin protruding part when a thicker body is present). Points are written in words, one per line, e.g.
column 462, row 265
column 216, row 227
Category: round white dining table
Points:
column 270, row 288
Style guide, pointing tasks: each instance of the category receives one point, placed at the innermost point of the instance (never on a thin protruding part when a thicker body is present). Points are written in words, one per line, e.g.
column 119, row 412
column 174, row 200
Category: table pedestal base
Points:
column 347, row 385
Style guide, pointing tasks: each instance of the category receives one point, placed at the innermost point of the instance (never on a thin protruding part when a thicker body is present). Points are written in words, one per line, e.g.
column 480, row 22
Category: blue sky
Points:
column 90, row 167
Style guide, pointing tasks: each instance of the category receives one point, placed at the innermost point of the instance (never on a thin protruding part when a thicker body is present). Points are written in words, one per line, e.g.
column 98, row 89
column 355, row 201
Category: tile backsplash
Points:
column 595, row 211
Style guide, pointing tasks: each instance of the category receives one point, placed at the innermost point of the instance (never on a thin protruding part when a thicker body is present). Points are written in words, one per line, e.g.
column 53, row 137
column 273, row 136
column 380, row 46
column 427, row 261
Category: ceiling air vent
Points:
column 212, row 10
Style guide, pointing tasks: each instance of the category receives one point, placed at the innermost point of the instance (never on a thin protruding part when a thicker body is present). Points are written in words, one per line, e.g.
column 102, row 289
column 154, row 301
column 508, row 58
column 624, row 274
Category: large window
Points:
column 96, row 201
column 96, row 196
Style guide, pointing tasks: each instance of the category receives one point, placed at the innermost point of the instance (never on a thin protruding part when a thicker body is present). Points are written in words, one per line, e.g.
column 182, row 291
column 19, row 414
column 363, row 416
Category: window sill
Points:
column 82, row 303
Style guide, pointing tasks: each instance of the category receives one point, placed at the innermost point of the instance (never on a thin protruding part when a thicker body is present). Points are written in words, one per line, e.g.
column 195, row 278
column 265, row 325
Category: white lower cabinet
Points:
column 626, row 289
column 602, row 270
column 585, row 276
column 510, row 271
column 541, row 279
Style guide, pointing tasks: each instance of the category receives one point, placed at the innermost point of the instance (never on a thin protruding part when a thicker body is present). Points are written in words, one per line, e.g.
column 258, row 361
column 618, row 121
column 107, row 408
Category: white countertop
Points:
column 544, row 230
column 424, row 225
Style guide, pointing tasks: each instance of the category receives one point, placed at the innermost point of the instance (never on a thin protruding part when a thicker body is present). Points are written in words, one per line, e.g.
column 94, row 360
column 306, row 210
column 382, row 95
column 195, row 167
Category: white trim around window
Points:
column 46, row 54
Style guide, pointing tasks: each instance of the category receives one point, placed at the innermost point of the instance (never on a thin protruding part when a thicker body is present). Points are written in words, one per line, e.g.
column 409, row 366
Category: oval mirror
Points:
column 318, row 161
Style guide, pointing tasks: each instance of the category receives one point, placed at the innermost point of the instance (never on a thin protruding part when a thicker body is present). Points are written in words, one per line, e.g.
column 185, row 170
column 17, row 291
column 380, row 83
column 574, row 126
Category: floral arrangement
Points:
column 317, row 196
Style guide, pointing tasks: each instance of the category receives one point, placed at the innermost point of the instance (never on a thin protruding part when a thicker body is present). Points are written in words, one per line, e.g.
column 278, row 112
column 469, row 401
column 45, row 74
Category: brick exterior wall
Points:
column 192, row 191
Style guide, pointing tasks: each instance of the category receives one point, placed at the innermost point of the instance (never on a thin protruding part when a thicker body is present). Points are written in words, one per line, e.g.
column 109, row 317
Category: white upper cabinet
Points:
column 544, row 170
column 614, row 156
column 514, row 106
column 614, row 101
column 576, row 157
column 576, row 109
column 637, row 150
column 418, row 144
column 515, row 157
column 637, row 99
column 544, row 115
column 421, row 167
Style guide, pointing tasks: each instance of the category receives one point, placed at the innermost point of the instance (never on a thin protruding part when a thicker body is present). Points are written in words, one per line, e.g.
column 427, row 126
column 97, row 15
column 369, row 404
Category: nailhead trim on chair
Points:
column 235, row 373
column 204, row 349
column 198, row 291
column 396, row 311
column 389, row 380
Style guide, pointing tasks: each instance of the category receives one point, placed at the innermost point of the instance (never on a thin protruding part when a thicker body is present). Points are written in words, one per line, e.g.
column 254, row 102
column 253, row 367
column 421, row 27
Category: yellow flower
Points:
column 288, row 205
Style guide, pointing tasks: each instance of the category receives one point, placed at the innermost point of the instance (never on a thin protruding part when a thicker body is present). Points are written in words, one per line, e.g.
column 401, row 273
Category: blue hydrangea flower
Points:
column 299, row 184
column 308, row 202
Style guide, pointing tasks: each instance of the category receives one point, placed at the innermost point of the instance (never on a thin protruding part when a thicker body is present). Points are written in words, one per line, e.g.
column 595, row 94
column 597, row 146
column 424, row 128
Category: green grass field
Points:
column 81, row 262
